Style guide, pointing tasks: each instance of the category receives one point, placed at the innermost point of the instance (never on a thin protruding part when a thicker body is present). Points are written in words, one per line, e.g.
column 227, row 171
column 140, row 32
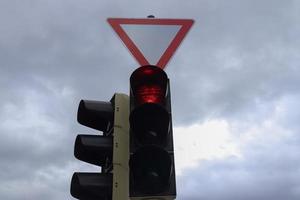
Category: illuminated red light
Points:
column 148, row 71
column 150, row 94
column 149, row 84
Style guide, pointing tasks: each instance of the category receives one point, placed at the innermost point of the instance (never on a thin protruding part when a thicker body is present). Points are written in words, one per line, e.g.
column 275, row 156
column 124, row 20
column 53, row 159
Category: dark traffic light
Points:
column 152, row 170
column 103, row 150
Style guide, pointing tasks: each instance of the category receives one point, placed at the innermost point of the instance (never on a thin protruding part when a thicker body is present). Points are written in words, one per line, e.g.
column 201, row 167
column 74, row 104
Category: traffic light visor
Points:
column 94, row 149
column 92, row 186
column 96, row 114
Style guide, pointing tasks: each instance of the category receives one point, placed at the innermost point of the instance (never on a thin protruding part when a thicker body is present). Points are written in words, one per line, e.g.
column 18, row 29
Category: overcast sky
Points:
column 235, row 85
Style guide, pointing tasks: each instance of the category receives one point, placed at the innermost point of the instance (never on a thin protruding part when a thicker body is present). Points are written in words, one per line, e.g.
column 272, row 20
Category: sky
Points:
column 235, row 84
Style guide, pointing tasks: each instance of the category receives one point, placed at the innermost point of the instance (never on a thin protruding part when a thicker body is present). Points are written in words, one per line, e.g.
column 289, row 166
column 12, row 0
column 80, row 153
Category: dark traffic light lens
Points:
column 150, row 124
column 151, row 169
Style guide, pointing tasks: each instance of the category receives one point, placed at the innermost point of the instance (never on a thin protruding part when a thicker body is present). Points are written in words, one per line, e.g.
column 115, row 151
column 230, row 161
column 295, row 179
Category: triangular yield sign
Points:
column 151, row 40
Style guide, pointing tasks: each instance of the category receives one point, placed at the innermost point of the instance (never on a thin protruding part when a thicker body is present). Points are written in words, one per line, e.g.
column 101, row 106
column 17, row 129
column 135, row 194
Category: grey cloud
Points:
column 237, row 55
column 267, row 169
column 265, row 172
column 237, row 61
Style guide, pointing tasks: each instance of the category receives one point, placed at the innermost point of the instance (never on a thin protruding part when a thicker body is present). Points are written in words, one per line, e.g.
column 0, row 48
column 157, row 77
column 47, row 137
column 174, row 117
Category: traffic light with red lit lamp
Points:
column 109, row 150
column 152, row 168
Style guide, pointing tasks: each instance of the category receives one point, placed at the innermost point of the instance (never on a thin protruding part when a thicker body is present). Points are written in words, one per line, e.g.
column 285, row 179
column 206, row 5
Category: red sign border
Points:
column 169, row 52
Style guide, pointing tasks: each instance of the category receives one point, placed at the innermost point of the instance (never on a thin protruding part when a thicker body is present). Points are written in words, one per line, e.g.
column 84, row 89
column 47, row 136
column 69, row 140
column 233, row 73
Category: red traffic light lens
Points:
column 149, row 85
column 149, row 94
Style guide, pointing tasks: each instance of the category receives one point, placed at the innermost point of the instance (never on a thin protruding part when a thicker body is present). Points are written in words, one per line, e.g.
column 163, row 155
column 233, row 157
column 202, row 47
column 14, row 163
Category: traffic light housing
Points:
column 109, row 150
column 152, row 169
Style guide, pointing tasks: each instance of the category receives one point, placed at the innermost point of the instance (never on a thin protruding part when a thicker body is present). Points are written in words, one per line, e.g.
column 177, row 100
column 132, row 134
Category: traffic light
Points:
column 152, row 169
column 109, row 150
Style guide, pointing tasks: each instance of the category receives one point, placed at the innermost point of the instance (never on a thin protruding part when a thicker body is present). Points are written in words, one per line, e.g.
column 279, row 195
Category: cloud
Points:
column 210, row 140
column 267, row 166
column 240, row 55
column 234, row 82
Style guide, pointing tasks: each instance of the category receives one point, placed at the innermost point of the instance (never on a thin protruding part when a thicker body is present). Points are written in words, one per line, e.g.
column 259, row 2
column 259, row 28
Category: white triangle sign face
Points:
column 151, row 41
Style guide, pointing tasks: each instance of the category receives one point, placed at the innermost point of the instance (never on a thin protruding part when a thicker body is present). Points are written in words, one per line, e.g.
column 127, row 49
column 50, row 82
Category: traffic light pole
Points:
column 121, row 148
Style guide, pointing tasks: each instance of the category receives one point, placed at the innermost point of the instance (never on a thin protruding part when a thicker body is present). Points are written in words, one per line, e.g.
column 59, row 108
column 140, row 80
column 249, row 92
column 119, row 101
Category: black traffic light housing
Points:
column 152, row 168
column 94, row 149
column 109, row 150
